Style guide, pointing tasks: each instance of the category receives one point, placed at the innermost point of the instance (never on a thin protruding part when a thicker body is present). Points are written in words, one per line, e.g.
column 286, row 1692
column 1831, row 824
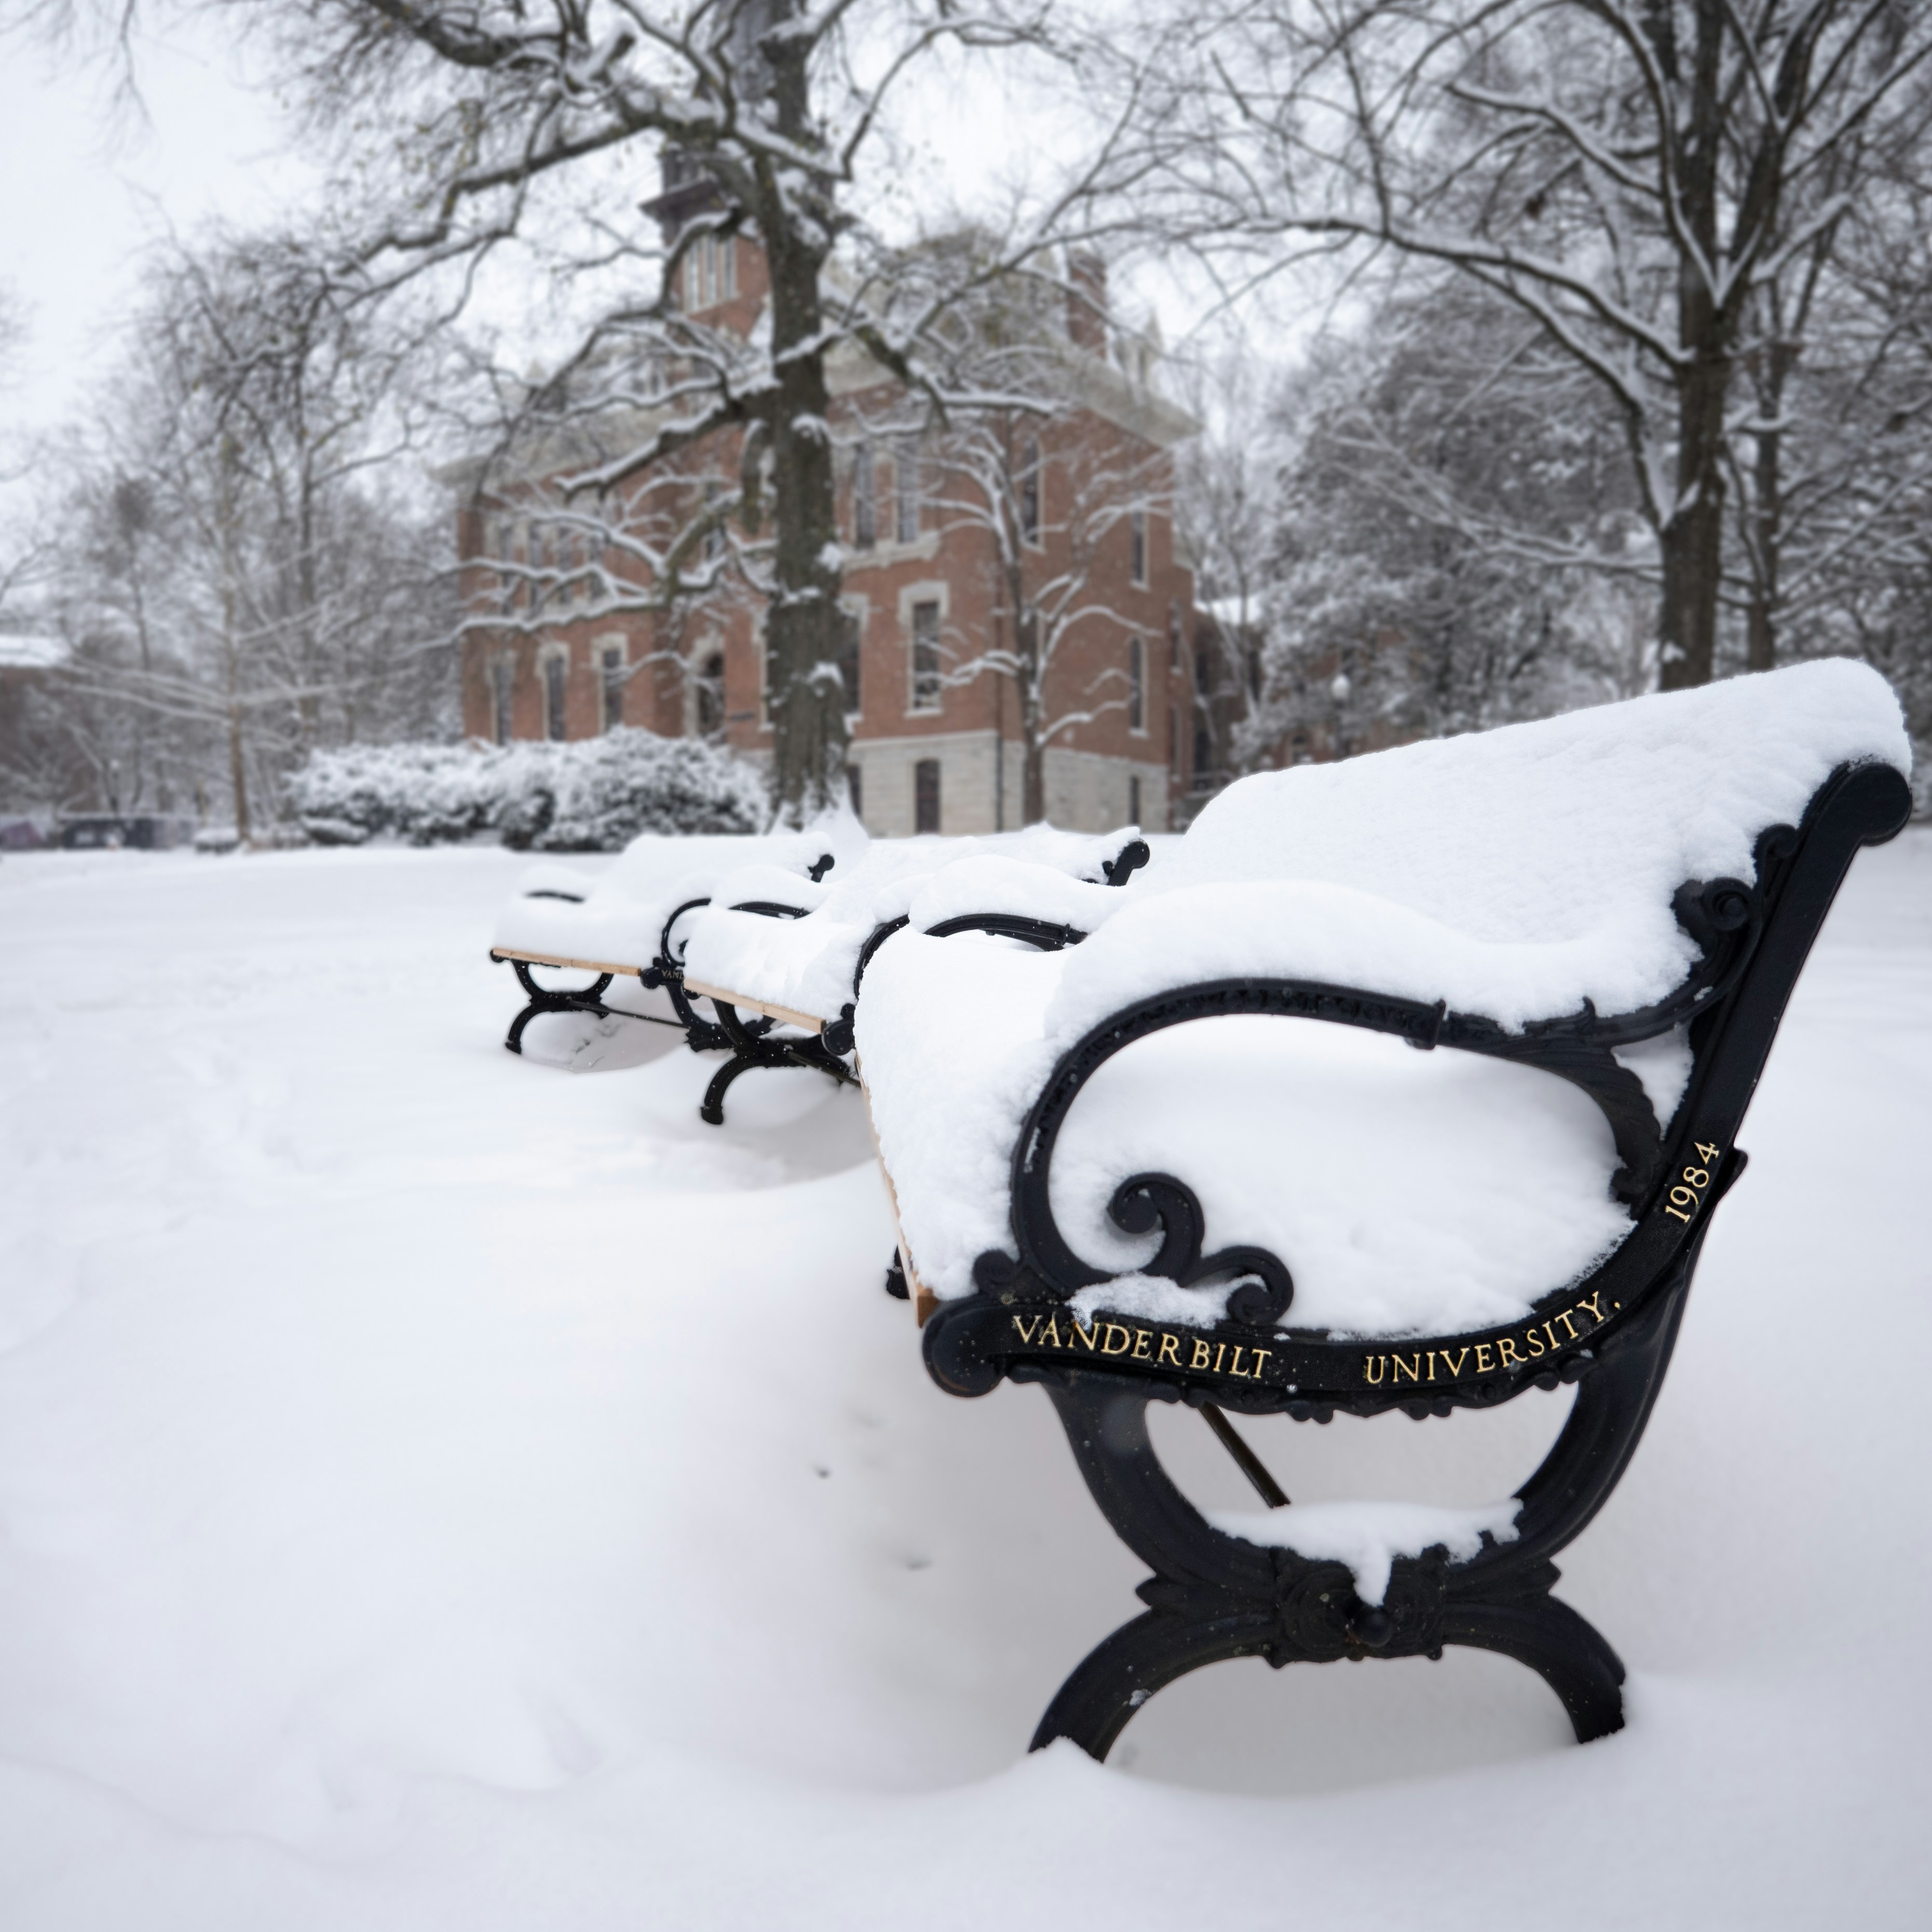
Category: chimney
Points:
column 1086, row 300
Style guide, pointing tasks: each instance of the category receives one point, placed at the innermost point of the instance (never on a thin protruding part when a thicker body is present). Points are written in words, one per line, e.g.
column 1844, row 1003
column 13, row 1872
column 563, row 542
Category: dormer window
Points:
column 710, row 272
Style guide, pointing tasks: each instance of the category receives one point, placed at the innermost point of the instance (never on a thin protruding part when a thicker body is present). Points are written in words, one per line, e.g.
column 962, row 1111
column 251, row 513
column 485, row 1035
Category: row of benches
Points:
column 635, row 920
column 1136, row 1186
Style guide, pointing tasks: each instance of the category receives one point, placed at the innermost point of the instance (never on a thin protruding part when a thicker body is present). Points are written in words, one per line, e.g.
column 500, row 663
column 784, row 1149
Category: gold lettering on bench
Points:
column 1136, row 1344
column 1509, row 1352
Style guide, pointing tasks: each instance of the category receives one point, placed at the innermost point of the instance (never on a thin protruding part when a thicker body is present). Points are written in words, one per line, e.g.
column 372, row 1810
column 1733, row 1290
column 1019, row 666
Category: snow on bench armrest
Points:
column 1510, row 876
column 1547, row 831
column 806, row 966
column 620, row 921
column 1015, row 887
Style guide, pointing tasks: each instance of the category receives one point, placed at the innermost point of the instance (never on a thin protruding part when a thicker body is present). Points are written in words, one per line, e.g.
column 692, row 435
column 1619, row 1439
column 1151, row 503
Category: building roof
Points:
column 27, row 650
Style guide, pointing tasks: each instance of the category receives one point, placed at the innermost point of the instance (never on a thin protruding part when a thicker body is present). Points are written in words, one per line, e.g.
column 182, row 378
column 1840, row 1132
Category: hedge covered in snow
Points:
column 592, row 795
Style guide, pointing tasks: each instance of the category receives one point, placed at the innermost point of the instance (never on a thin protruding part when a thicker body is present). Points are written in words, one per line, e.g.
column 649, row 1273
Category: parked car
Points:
column 144, row 832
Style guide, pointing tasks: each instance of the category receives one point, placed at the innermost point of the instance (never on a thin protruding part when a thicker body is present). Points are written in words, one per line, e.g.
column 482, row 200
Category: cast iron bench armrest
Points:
column 1215, row 1595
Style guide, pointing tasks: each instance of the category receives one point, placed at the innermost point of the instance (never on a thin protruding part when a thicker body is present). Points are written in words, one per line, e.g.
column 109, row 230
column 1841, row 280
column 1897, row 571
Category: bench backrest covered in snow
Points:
column 1549, row 962
column 770, row 931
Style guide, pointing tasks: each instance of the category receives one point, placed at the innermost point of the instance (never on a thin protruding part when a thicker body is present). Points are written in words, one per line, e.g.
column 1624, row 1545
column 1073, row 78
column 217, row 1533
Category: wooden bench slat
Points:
column 558, row 959
column 745, row 1004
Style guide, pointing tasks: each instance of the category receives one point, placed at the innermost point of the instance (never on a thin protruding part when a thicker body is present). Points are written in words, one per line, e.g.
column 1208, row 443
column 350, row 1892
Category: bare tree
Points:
column 230, row 573
column 762, row 111
column 1227, row 510
column 1451, row 498
column 1631, row 175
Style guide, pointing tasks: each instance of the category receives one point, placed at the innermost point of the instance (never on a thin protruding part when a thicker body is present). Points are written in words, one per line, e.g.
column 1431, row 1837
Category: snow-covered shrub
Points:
column 608, row 790
column 595, row 794
column 423, row 793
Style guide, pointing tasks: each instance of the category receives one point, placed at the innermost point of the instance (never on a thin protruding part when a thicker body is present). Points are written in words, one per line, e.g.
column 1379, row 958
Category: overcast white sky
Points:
column 83, row 189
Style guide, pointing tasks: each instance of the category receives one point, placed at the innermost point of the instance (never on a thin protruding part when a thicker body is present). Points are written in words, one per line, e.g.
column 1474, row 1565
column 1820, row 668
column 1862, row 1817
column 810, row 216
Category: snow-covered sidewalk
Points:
column 439, row 1492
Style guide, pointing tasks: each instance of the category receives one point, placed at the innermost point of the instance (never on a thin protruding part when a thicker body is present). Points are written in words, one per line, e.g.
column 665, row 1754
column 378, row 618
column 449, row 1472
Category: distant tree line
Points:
column 235, row 567
column 1629, row 384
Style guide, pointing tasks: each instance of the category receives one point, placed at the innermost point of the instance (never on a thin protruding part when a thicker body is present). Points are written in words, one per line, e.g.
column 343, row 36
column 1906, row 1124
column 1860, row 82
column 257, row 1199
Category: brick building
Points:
column 929, row 578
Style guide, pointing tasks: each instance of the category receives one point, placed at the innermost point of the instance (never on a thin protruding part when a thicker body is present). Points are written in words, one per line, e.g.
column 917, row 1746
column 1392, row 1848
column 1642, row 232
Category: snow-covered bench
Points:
column 1137, row 1185
column 780, row 924
column 618, row 923
column 793, row 958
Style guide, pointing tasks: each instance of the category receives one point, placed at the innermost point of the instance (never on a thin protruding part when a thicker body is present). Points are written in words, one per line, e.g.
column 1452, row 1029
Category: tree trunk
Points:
column 1768, row 514
column 803, row 634
column 1033, row 806
column 1693, row 536
column 238, row 773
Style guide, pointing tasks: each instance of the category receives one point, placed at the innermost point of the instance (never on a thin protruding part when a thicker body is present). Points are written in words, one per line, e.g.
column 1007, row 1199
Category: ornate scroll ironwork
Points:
column 1213, row 1596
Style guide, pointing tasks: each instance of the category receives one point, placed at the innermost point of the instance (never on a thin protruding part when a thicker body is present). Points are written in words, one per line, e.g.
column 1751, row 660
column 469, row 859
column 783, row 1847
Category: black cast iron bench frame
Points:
column 825, row 1047
column 1213, row 1596
column 745, row 1040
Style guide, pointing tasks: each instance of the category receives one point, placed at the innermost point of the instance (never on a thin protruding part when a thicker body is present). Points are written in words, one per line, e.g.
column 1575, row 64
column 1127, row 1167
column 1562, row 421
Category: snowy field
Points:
column 443, row 1491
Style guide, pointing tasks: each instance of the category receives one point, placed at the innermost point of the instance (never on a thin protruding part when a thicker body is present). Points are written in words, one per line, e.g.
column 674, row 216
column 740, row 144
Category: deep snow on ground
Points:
column 440, row 1491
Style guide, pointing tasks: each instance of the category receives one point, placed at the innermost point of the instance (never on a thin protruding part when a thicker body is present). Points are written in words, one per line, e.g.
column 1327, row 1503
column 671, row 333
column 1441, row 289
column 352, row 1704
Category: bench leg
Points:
column 1567, row 1651
column 1213, row 1597
column 711, row 1109
column 547, row 999
column 751, row 1049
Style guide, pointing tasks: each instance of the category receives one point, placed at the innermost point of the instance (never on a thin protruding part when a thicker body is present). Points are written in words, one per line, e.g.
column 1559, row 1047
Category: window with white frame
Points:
column 612, row 678
column 851, row 636
column 1137, row 548
column 710, row 271
column 1136, row 685
column 906, row 492
column 710, row 691
column 864, row 498
column 927, row 688
column 503, row 684
column 556, row 671
column 1029, row 482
